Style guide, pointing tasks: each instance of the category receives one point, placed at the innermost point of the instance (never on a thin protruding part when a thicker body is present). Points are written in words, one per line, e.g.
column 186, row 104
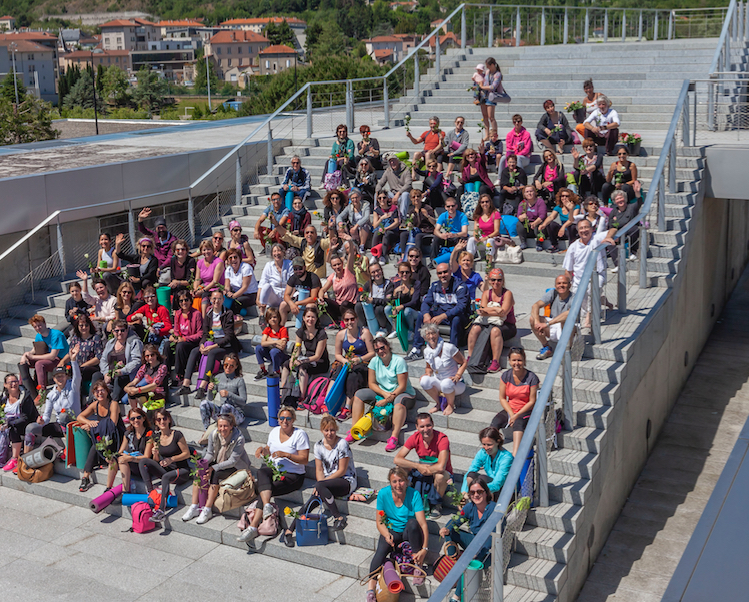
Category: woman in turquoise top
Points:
column 400, row 518
column 566, row 209
column 495, row 461
column 388, row 384
column 342, row 151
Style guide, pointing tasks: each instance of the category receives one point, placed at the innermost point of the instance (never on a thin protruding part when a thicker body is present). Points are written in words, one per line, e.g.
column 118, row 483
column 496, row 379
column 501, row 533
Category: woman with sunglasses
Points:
column 353, row 346
column 241, row 286
column 565, row 211
column 186, row 335
column 356, row 219
column 151, row 321
column 103, row 422
column 518, row 388
column 313, row 360
column 125, row 304
column 588, row 169
column 120, row 360
column 380, row 292
column 622, row 176
column 150, row 378
column 486, row 229
column 479, row 508
column 343, row 283
column 137, row 444
column 241, row 242
column 182, row 268
column 366, row 181
column 385, row 223
column 170, row 461
column 341, row 153
column 493, row 459
column 550, row 177
column 210, row 274
column 367, row 148
column 512, row 180
column 20, row 412
column 231, row 390
column 143, row 271
column 288, row 449
column 225, row 456
column 407, row 297
column 473, row 171
column 333, row 203
column 299, row 217
column 497, row 311
column 461, row 266
column 420, row 271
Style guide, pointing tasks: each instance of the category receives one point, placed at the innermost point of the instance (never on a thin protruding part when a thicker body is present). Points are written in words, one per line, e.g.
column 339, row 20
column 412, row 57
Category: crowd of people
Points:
column 137, row 327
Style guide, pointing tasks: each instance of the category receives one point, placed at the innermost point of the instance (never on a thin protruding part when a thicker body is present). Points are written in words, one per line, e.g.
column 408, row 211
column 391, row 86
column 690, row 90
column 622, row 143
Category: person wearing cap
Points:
column 301, row 280
column 277, row 214
column 162, row 238
column 241, row 243
column 478, row 81
column 397, row 178
column 367, row 148
column 296, row 182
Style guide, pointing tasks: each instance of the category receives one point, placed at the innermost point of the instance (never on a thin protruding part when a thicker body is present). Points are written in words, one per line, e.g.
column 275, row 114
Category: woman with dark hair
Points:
column 20, row 411
column 553, row 128
column 342, row 151
column 226, row 455
column 343, row 283
column 622, row 176
column 120, row 360
column 90, row 346
column 565, row 211
column 473, row 171
column 299, row 217
column 407, row 295
column 108, row 262
column 385, row 223
column 334, row 202
column 272, row 347
column 231, row 390
column 417, row 223
column 209, row 275
column 550, row 177
column 151, row 321
column 150, row 378
column 380, row 292
column 182, row 268
column 493, row 459
column 125, row 304
column 143, row 271
column 368, row 148
column 486, row 221
column 241, row 243
column 434, row 191
column 137, row 444
column 512, row 180
column 186, row 334
column 532, row 212
column 588, row 169
column 313, row 359
column 355, row 219
column 366, row 181
column 353, row 346
column 495, row 93
column 415, row 257
column 589, row 102
column 241, row 285
column 169, row 461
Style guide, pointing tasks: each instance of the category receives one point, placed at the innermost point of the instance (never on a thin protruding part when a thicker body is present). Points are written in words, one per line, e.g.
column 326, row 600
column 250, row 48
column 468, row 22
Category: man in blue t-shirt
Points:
column 280, row 216
column 451, row 227
column 50, row 346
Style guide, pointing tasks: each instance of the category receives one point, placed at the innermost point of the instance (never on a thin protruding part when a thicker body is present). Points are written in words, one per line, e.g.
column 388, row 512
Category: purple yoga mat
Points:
column 204, row 482
column 99, row 503
column 394, row 583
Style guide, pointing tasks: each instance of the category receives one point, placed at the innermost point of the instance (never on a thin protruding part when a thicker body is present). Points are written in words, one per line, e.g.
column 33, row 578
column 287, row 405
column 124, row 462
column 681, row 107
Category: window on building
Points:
column 228, row 50
column 218, row 50
column 275, row 68
column 31, row 68
column 119, row 47
column 109, row 60
column 249, row 50
column 228, row 62
column 267, row 64
column 239, row 50
column 116, row 59
column 288, row 63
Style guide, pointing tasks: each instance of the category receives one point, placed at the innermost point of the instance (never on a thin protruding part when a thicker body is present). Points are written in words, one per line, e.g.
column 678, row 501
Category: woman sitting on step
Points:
column 137, row 444
column 226, row 394
column 353, row 346
column 335, row 473
column 445, row 365
column 20, row 411
column 622, row 176
column 493, row 459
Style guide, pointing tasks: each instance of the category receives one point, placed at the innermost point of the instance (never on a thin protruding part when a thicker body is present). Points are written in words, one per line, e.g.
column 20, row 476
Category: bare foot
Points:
column 434, row 409
column 448, row 410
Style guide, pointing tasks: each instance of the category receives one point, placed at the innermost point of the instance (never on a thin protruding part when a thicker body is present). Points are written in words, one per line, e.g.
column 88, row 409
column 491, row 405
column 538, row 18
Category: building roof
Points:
column 448, row 37
column 278, row 49
column 264, row 21
column 34, row 36
column 382, row 39
column 383, row 54
column 26, row 46
column 126, row 23
column 237, row 36
column 6, row 17
column 86, row 54
column 181, row 23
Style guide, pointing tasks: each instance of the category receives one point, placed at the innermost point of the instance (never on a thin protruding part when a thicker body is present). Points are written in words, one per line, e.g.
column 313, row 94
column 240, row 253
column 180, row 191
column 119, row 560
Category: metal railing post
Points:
column 386, row 101
column 517, row 27
column 490, row 36
column 131, row 224
column 644, row 244
column 734, row 26
column 587, row 26
column 566, row 26
column 567, row 412
column 606, row 25
column 624, row 26
column 191, row 217
column 350, row 105
column 462, row 28
column 417, row 92
column 238, row 181
column 60, row 247
column 672, row 166
column 639, row 29
column 661, row 205
column 711, row 106
column 727, row 55
column 437, row 52
column 670, row 24
column 542, row 464
column 746, row 20
column 694, row 115
column 498, row 573
column 543, row 26
column 621, row 288
column 685, row 122
column 655, row 28
column 739, row 16
column 269, row 148
column 595, row 307
column 309, row 112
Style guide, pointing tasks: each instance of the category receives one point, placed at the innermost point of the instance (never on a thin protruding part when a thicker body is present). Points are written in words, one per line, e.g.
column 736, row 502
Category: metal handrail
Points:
column 723, row 37
column 29, row 234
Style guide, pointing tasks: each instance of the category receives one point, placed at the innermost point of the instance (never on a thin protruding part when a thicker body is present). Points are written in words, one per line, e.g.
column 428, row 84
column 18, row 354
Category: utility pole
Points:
column 13, row 47
column 208, row 79
column 93, row 88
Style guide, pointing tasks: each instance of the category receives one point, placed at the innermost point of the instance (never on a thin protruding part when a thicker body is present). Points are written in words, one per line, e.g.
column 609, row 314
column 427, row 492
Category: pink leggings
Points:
column 41, row 368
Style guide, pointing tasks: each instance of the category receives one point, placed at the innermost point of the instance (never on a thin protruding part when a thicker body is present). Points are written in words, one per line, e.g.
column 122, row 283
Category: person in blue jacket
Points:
column 446, row 302
column 474, row 513
column 493, row 459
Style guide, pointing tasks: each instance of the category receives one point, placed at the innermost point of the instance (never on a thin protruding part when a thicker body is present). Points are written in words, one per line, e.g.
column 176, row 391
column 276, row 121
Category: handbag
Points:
column 448, row 557
column 236, row 490
column 490, row 320
column 509, row 255
column 35, row 475
column 332, row 181
column 312, row 529
column 267, row 528
column 4, row 447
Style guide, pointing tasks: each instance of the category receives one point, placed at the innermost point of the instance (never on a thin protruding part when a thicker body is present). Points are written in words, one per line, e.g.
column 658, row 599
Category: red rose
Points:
column 62, row 411
column 98, row 437
column 39, row 387
column 381, row 513
column 149, row 434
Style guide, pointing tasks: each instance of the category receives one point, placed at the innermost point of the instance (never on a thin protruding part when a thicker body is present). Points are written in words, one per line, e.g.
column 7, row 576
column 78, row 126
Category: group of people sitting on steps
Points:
column 138, row 324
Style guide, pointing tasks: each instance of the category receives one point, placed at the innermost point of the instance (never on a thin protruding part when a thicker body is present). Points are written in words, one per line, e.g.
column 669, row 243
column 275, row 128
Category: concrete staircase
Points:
column 552, row 537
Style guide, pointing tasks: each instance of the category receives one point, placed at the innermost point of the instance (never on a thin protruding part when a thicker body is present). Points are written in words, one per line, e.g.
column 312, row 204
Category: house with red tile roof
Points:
column 277, row 58
column 235, row 48
column 129, row 34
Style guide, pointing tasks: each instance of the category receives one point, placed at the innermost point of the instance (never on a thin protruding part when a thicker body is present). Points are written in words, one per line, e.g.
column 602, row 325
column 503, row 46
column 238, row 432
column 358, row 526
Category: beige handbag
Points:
column 235, row 491
column 509, row 254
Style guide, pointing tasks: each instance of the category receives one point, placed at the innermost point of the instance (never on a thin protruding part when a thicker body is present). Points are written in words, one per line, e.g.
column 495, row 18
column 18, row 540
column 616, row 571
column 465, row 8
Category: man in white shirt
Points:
column 578, row 253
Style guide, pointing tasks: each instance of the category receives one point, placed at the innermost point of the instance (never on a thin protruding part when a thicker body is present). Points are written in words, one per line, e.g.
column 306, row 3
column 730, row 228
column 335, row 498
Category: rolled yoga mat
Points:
column 99, row 503
column 303, row 294
column 395, row 585
column 274, row 400
column 337, row 393
column 45, row 454
column 369, row 314
column 83, row 445
column 362, row 427
column 128, row 499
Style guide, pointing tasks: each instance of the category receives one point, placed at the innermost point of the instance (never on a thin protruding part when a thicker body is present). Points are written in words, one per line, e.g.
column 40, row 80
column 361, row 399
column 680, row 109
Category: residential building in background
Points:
column 132, row 34
column 277, row 58
column 83, row 58
column 258, row 25
column 167, row 57
column 235, row 48
column 35, row 63
column 7, row 23
column 385, row 49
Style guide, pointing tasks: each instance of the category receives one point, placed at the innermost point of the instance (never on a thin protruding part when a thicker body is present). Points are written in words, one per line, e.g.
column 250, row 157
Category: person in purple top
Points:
column 531, row 214
column 162, row 238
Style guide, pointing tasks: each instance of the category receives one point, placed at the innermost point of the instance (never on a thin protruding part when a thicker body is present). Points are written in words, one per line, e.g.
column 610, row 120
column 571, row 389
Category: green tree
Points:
column 82, row 94
column 100, row 69
column 30, row 121
column 280, row 34
column 115, row 86
column 8, row 90
column 200, row 76
column 151, row 91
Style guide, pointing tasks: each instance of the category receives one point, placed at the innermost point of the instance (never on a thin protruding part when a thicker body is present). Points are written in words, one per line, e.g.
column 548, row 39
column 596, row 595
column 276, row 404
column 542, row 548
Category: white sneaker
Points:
column 392, row 335
column 632, row 257
column 380, row 333
column 191, row 512
column 614, row 270
column 248, row 535
column 268, row 510
column 206, row 514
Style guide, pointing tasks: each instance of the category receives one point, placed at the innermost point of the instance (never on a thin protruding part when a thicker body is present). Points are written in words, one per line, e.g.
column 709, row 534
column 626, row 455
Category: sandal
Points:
column 85, row 485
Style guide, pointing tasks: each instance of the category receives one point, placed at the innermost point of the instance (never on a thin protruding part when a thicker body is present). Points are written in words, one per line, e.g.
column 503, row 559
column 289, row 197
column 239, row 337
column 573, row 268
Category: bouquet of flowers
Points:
column 103, row 446
column 571, row 107
column 278, row 473
column 627, row 138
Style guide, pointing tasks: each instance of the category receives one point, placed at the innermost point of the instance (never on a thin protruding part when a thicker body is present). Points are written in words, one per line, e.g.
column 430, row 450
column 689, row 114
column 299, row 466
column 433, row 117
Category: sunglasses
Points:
column 381, row 348
column 162, row 419
column 236, row 229
column 450, row 206
column 442, row 273
column 295, row 163
column 118, row 330
column 126, row 293
column 285, row 419
column 477, row 492
column 184, row 300
column 136, row 417
column 496, row 279
column 146, row 246
column 413, row 256
column 298, row 268
column 149, row 297
column 218, row 238
column 404, row 272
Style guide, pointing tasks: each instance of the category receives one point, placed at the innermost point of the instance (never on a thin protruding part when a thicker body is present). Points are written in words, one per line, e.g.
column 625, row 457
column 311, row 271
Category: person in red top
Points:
column 149, row 315
column 518, row 143
column 432, row 139
column 518, row 388
column 272, row 347
column 430, row 445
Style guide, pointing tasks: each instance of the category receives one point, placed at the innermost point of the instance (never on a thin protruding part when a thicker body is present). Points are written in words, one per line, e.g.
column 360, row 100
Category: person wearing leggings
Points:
column 288, row 450
column 170, row 461
column 400, row 517
column 335, row 472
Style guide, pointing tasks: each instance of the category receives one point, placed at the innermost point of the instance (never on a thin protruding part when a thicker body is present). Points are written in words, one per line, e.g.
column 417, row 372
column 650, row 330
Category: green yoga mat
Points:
column 401, row 330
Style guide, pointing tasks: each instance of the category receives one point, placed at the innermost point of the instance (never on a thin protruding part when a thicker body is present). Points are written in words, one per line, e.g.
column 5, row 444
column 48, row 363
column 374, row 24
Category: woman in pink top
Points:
column 209, row 274
column 473, row 170
column 343, row 281
column 518, row 142
column 486, row 219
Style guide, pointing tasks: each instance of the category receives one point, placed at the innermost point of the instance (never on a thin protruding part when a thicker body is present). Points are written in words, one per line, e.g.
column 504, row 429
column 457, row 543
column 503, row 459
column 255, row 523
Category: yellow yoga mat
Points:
column 362, row 427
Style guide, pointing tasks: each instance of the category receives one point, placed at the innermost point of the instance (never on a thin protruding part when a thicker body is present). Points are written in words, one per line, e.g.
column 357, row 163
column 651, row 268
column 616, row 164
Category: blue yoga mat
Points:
column 337, row 393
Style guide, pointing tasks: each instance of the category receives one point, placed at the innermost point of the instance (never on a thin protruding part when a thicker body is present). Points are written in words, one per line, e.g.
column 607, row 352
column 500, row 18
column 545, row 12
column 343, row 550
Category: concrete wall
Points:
column 658, row 364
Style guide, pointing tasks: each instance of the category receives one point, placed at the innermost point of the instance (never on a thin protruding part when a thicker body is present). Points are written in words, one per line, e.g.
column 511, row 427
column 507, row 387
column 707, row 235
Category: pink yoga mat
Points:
column 99, row 503
column 395, row 585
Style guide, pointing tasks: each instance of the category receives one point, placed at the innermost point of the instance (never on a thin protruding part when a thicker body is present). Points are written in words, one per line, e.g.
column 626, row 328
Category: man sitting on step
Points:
column 297, row 181
column 277, row 214
column 432, row 473
column 446, row 302
column 548, row 326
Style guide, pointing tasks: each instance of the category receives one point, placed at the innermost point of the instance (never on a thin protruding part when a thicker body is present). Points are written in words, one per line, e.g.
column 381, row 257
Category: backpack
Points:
column 141, row 512
column 314, row 400
column 4, row 447
column 35, row 475
column 468, row 202
column 267, row 528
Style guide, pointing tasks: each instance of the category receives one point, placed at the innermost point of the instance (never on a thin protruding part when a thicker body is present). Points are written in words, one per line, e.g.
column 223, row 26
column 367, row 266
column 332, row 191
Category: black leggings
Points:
column 388, row 240
column 336, row 309
column 214, row 354
column 608, row 189
column 244, row 301
column 181, row 355
column 95, row 458
column 290, row 482
column 147, row 467
column 356, row 379
column 328, row 491
column 412, row 534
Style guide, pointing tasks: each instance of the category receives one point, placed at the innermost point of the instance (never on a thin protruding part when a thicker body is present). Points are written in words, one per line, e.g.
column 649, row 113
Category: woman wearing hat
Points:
column 241, row 243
